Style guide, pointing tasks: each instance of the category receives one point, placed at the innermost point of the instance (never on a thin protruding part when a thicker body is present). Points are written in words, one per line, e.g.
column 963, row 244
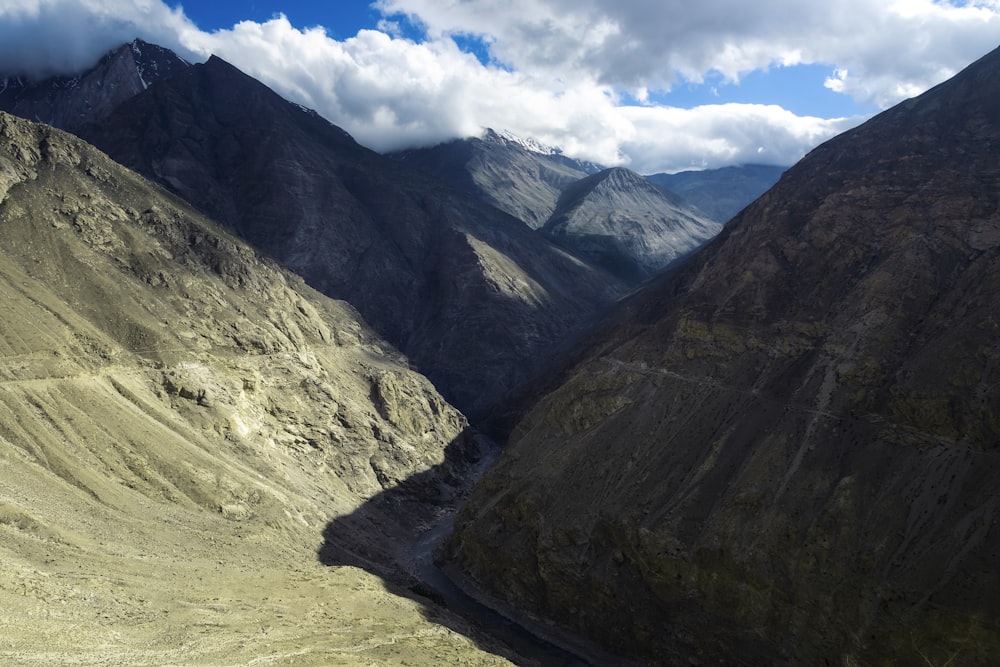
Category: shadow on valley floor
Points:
column 394, row 536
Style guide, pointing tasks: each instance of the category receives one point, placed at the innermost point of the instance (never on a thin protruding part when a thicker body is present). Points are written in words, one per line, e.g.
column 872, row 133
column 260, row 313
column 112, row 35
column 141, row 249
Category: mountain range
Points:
column 464, row 290
column 721, row 193
column 630, row 225
column 240, row 352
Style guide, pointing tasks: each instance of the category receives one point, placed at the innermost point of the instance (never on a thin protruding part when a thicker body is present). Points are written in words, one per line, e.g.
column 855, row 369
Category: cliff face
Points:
column 179, row 421
column 787, row 451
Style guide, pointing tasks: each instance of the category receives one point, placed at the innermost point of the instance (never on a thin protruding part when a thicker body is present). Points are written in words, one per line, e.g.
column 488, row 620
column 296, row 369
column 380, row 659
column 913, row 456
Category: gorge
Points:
column 247, row 366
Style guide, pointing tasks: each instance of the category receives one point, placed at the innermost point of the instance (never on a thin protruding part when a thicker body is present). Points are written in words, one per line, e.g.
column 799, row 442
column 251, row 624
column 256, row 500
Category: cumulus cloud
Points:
column 559, row 68
column 715, row 135
column 889, row 48
column 40, row 38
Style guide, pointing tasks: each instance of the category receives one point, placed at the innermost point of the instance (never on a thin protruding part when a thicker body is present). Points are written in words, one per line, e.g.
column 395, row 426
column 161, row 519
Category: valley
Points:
column 270, row 397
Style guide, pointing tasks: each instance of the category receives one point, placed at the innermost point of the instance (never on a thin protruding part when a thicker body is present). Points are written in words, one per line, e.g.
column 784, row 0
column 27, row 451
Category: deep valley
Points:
column 270, row 397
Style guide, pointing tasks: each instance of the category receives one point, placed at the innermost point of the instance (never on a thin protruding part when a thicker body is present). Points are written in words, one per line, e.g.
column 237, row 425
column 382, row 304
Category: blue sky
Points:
column 340, row 18
column 656, row 85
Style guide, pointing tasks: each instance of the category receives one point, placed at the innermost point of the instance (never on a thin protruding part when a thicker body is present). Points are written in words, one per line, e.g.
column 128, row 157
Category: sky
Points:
column 654, row 85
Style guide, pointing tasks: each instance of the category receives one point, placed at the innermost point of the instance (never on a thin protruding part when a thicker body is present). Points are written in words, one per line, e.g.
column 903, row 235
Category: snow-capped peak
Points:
column 506, row 138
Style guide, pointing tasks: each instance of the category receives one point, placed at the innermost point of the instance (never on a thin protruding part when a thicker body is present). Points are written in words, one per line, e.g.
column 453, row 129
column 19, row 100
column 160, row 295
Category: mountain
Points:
column 724, row 192
column 622, row 222
column 611, row 217
column 69, row 102
column 786, row 450
column 180, row 419
column 522, row 177
column 473, row 297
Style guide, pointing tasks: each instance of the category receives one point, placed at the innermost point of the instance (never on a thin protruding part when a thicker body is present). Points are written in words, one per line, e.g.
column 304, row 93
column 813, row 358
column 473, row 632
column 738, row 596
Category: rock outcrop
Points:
column 786, row 452
column 180, row 419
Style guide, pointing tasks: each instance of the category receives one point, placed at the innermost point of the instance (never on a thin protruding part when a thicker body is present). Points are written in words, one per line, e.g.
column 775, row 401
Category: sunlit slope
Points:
column 179, row 420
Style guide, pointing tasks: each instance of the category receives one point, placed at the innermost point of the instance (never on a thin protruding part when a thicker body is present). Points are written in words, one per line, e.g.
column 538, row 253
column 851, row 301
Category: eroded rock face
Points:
column 180, row 419
column 787, row 451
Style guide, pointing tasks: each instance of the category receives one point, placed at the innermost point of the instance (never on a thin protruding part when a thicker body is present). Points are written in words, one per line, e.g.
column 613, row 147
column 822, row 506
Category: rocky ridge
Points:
column 620, row 221
column 786, row 451
column 70, row 102
column 517, row 176
column 180, row 419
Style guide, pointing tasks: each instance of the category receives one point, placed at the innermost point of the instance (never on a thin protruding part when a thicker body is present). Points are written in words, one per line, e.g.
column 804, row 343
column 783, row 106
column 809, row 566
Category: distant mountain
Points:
column 620, row 221
column 475, row 298
column 522, row 177
column 633, row 232
column 180, row 419
column 724, row 192
column 71, row 102
column 786, row 452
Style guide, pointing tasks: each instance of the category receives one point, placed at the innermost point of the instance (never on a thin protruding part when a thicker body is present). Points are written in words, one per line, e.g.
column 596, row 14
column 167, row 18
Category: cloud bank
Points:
column 558, row 70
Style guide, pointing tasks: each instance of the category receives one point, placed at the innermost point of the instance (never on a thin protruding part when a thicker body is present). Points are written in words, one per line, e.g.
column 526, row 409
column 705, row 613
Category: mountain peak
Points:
column 621, row 221
column 70, row 102
column 154, row 62
column 508, row 138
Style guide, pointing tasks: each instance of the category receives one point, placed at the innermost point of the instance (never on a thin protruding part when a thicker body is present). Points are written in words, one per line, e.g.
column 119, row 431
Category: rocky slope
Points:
column 721, row 193
column 69, row 102
column 786, row 452
column 472, row 296
column 620, row 221
column 180, row 421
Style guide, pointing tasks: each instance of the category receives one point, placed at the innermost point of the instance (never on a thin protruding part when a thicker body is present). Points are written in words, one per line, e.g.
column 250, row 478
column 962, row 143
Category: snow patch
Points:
column 507, row 138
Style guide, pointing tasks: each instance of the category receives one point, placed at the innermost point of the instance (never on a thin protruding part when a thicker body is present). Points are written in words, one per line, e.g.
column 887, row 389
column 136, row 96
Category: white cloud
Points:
column 560, row 66
column 715, row 135
column 889, row 47
column 44, row 37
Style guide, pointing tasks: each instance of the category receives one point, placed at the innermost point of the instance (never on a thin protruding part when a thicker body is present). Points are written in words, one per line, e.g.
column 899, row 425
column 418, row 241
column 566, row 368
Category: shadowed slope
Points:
column 786, row 452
